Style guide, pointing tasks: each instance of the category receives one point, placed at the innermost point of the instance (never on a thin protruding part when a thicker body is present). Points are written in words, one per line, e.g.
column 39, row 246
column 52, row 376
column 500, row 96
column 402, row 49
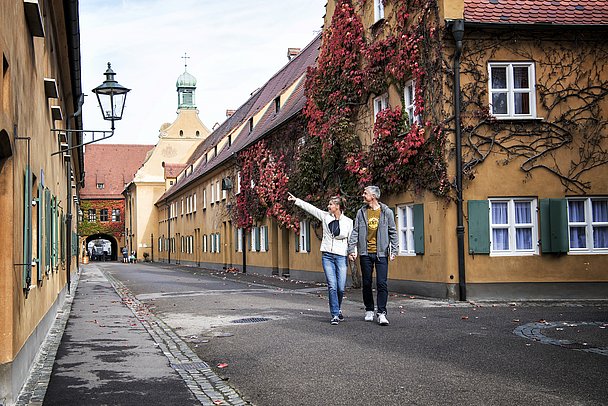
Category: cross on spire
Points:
column 185, row 58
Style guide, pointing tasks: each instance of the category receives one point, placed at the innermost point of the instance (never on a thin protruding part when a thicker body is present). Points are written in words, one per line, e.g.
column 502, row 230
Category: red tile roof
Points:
column 275, row 86
column 557, row 12
column 172, row 170
column 114, row 165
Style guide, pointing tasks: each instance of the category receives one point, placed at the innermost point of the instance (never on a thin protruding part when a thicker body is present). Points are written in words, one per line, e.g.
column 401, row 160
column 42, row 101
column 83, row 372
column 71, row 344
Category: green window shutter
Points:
column 63, row 241
column 265, row 230
column 47, row 229
column 419, row 228
column 479, row 226
column 39, row 233
column 27, row 229
column 257, row 239
column 308, row 236
column 553, row 226
column 54, row 232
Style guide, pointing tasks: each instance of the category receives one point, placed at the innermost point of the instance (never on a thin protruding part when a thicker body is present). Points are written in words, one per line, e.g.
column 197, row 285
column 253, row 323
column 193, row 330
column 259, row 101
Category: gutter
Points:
column 458, row 34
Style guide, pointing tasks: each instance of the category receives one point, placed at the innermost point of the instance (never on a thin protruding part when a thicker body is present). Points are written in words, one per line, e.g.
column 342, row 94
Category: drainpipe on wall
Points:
column 458, row 33
column 68, row 220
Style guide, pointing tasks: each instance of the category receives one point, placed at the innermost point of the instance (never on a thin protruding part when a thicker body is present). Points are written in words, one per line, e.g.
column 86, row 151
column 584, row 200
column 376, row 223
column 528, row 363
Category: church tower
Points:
column 186, row 85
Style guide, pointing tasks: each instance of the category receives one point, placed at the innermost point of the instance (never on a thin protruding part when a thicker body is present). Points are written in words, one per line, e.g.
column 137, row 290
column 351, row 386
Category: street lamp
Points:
column 111, row 97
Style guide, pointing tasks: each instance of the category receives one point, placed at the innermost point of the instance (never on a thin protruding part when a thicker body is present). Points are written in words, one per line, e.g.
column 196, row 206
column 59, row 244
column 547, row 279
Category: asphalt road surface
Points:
column 273, row 343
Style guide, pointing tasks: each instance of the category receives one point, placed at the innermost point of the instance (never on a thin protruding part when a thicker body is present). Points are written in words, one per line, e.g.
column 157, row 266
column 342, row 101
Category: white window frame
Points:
column 405, row 229
column 194, row 203
column 239, row 240
column 511, row 91
column 218, row 187
column 224, row 194
column 205, row 243
column 380, row 104
column 263, row 238
column 182, row 212
column 205, row 199
column 378, row 10
column 212, row 241
column 589, row 224
column 212, row 200
column 511, row 226
column 254, row 239
column 409, row 102
column 304, row 237
column 238, row 182
column 217, row 243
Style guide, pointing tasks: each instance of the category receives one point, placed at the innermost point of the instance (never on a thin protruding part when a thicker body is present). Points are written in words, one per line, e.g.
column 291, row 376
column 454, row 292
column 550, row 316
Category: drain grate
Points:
column 250, row 320
column 190, row 366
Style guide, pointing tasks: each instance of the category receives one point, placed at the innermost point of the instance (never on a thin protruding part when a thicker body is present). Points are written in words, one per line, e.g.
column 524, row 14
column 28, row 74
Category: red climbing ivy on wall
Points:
column 263, row 192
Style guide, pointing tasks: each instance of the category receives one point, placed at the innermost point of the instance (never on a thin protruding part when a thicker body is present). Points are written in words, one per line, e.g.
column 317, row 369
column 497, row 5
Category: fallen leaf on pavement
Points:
column 465, row 317
column 222, row 365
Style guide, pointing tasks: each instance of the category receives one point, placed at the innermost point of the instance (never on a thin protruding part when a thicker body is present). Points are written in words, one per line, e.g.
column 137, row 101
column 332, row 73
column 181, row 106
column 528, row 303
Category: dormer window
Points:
column 277, row 104
column 251, row 124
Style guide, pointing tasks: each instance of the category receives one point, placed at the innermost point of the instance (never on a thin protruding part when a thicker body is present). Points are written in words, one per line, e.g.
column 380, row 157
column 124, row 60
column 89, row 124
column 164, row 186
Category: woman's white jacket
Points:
column 335, row 245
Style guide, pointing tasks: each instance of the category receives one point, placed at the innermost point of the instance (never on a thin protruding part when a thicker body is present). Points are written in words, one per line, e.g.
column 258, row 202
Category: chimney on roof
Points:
column 292, row 52
column 229, row 113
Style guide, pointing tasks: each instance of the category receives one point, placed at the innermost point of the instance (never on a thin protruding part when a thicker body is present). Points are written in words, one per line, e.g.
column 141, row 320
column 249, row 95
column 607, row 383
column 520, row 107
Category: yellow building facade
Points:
column 177, row 142
column 529, row 128
column 39, row 92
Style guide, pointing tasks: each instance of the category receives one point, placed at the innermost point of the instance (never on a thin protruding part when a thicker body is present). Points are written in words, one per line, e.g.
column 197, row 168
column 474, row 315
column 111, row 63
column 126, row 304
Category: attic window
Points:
column 33, row 17
column 229, row 140
column 198, row 133
column 50, row 88
column 277, row 104
column 251, row 124
column 56, row 113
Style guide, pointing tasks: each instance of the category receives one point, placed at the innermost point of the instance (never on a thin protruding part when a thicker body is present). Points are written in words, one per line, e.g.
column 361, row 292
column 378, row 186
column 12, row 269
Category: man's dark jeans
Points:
column 368, row 263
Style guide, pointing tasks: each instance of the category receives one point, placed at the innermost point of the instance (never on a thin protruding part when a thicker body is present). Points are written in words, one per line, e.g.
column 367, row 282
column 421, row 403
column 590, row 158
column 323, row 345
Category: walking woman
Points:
column 336, row 231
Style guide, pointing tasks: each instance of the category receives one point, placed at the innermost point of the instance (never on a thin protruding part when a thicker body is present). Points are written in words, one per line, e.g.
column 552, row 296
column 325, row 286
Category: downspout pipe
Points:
column 458, row 34
column 68, row 220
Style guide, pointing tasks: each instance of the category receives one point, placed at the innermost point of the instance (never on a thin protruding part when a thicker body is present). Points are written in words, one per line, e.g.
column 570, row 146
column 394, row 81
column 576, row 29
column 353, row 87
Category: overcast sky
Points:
column 233, row 46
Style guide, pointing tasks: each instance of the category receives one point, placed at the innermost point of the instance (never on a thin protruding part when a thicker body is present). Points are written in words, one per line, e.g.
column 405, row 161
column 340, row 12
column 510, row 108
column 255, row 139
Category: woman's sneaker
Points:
column 369, row 316
column 335, row 320
column 340, row 316
column 382, row 320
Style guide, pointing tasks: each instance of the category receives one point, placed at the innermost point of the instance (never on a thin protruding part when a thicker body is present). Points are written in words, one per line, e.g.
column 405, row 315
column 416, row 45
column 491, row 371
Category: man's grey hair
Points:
column 374, row 190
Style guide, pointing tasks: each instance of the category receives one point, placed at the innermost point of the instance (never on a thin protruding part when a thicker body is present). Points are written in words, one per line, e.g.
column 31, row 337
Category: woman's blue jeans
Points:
column 335, row 266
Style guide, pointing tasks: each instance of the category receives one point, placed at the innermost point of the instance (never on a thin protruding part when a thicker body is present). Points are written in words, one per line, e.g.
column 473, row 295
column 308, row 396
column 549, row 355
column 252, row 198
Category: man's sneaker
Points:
column 335, row 320
column 382, row 320
column 340, row 316
column 369, row 316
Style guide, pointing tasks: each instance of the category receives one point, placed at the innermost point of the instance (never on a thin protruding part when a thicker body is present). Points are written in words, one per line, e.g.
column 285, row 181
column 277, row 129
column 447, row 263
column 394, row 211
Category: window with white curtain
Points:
column 588, row 225
column 405, row 229
column 239, row 240
column 205, row 243
column 204, row 198
column 194, row 203
column 409, row 99
column 218, row 186
column 513, row 226
column 380, row 103
column 238, row 182
column 254, row 238
column 378, row 10
column 512, row 90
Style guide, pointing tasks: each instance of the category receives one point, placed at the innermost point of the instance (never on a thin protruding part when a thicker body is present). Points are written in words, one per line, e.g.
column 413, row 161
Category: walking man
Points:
column 374, row 239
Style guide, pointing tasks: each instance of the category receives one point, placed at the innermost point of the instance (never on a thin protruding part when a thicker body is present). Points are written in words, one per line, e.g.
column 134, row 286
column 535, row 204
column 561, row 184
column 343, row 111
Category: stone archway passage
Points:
column 115, row 249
